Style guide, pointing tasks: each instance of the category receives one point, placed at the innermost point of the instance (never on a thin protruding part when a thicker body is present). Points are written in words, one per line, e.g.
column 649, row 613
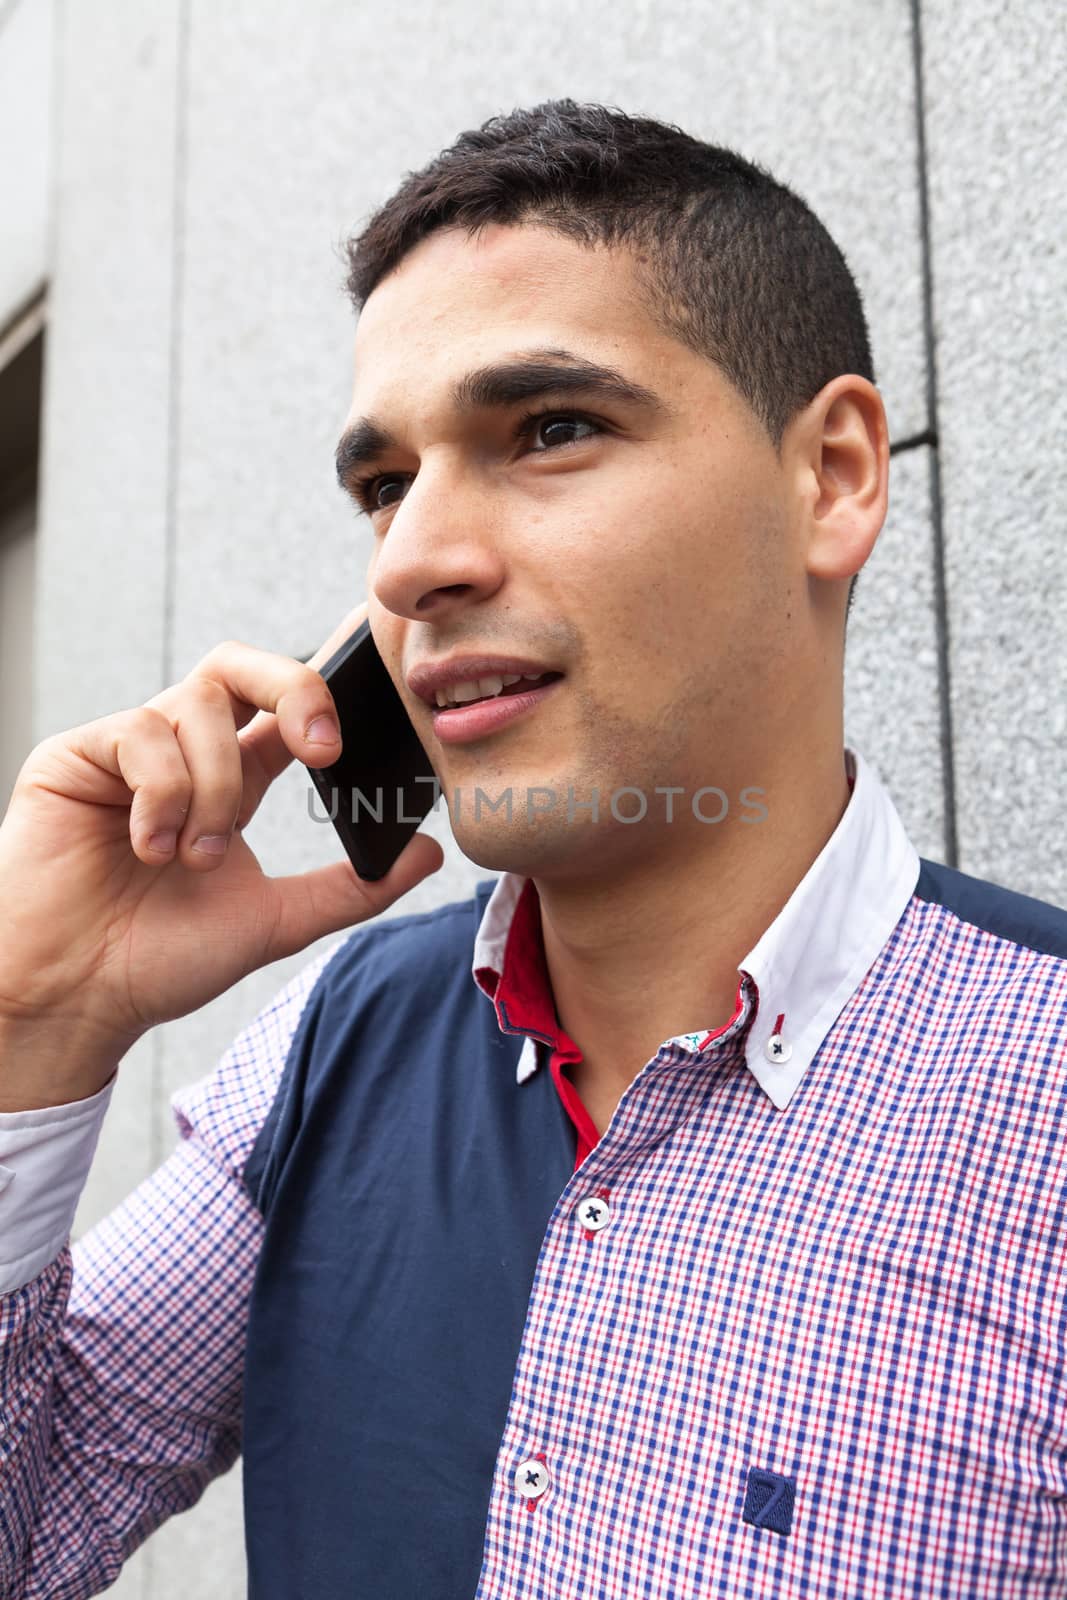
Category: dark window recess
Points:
column 20, row 408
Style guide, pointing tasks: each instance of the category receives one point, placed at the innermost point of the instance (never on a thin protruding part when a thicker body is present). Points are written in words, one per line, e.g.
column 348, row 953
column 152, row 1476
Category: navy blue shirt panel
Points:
column 406, row 1180
column 1019, row 918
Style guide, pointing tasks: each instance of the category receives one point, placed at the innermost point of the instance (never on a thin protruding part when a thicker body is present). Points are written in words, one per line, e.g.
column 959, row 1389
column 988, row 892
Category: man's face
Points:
column 641, row 551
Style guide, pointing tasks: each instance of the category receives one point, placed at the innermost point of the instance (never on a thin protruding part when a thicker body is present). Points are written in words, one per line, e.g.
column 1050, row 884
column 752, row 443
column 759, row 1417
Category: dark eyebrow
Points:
column 498, row 386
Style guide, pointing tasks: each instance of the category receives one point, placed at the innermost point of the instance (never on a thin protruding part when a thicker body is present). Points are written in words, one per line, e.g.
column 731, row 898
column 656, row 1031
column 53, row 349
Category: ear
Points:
column 840, row 444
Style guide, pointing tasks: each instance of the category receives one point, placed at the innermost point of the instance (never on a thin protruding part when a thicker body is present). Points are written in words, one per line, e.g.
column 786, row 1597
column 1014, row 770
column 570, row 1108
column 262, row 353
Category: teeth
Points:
column 458, row 694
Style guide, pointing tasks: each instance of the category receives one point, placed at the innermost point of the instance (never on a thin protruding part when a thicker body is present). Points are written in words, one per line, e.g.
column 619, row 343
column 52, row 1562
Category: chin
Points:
column 548, row 849
column 523, row 851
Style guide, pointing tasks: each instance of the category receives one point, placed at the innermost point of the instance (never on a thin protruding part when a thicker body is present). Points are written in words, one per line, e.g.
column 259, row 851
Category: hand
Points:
column 108, row 923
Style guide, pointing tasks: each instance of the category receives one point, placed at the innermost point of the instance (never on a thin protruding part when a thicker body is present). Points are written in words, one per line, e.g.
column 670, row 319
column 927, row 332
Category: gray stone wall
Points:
column 184, row 174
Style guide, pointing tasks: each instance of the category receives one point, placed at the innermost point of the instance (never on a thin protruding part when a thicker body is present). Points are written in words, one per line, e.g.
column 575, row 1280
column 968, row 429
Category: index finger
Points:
column 264, row 753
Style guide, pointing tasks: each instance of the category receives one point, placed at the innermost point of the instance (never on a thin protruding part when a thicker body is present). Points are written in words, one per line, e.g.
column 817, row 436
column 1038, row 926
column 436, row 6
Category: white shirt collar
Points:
column 811, row 960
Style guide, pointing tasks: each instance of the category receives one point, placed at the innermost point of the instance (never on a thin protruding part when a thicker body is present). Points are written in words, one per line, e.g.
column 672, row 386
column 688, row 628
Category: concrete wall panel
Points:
column 997, row 152
column 108, row 366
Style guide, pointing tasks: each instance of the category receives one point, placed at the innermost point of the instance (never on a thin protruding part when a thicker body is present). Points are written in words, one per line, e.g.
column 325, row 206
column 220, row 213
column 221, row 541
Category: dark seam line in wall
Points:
column 948, row 759
column 928, row 436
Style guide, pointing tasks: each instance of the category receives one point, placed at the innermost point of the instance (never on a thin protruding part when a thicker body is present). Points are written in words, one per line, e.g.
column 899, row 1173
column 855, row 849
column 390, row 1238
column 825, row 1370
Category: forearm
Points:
column 123, row 1393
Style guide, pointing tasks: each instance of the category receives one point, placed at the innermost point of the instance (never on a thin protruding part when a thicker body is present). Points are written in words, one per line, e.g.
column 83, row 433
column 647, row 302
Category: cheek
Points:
column 372, row 563
column 628, row 567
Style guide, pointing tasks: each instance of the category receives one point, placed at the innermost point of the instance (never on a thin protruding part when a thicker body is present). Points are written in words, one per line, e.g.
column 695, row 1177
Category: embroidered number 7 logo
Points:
column 769, row 1500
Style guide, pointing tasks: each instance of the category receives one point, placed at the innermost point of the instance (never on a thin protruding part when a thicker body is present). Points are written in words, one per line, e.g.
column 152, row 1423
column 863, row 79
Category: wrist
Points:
column 52, row 1063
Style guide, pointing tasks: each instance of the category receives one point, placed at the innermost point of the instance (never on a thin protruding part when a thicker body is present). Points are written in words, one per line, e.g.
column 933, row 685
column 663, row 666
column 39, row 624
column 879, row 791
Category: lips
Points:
column 477, row 719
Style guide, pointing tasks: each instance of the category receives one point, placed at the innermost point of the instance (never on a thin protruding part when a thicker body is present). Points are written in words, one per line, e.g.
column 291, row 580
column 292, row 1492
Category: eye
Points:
column 530, row 424
column 367, row 489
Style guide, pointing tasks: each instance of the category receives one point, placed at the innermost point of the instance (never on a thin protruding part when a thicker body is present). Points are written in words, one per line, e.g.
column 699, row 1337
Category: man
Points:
column 684, row 1214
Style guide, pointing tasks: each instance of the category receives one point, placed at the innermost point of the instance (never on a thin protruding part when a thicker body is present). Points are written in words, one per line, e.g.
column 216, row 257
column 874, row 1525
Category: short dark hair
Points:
column 731, row 261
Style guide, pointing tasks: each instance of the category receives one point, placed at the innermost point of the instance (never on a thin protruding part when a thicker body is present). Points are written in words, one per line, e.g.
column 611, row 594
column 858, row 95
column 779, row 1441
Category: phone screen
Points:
column 383, row 785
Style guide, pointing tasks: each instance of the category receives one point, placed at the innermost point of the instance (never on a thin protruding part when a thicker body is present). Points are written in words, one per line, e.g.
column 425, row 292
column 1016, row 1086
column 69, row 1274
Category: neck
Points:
column 654, row 950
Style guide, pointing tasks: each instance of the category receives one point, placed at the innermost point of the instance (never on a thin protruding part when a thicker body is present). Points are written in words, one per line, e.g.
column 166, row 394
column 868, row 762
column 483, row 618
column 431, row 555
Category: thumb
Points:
column 330, row 899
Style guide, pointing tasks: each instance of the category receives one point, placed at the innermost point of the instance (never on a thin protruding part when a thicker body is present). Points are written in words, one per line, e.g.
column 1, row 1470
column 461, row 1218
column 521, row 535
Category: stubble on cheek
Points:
column 611, row 749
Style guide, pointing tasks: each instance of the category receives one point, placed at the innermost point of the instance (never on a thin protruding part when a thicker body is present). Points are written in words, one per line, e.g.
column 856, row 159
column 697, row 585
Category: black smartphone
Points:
column 383, row 785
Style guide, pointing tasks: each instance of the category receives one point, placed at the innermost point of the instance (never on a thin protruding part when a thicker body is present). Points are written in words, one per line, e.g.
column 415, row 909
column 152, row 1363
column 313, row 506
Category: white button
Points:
column 593, row 1213
column 531, row 1478
column 777, row 1049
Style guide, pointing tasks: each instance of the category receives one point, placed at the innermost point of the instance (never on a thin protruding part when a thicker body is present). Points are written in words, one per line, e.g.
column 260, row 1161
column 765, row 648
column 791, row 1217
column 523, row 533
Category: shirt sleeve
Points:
column 45, row 1156
column 121, row 1361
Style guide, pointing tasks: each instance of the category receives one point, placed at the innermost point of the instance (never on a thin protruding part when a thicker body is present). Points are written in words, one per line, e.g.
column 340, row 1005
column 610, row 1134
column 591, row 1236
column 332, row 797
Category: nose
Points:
column 439, row 554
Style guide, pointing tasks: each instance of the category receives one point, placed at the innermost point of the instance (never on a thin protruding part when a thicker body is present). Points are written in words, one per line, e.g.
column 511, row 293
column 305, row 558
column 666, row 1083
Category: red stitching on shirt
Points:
column 778, row 1024
column 718, row 1032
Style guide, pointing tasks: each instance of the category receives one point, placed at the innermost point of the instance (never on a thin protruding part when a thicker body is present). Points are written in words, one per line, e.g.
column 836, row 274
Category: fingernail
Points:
column 163, row 842
column 323, row 730
column 211, row 844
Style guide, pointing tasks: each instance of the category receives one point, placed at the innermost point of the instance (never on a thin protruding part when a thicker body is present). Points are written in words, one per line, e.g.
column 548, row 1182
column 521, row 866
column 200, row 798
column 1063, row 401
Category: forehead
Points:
column 456, row 300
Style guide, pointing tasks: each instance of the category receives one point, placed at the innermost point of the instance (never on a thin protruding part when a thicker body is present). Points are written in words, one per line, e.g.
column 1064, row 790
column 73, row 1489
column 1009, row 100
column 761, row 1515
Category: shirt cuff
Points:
column 45, row 1157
